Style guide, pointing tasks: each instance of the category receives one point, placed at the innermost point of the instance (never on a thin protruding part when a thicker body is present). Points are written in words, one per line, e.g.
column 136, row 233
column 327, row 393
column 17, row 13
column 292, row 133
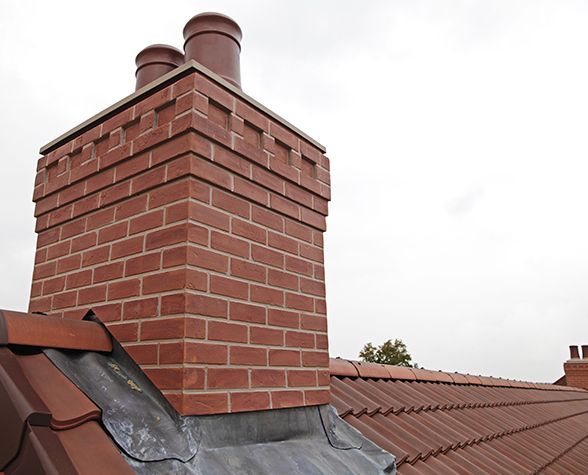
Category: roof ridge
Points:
column 359, row 369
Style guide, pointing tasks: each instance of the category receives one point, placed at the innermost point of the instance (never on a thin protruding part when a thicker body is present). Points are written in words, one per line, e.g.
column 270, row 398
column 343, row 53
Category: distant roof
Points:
column 436, row 422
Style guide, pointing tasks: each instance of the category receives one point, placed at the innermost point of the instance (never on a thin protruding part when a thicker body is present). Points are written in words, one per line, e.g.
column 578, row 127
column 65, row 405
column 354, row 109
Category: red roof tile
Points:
column 453, row 423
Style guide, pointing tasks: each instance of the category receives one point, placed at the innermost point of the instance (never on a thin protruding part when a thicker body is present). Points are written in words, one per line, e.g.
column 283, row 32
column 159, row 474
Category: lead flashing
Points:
column 160, row 83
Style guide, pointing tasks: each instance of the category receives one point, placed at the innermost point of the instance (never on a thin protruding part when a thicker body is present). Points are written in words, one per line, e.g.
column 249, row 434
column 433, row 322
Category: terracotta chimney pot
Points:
column 585, row 352
column 154, row 61
column 213, row 40
column 574, row 352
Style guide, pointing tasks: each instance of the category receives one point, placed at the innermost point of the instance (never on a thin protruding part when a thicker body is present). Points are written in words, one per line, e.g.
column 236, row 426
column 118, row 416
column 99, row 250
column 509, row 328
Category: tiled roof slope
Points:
column 436, row 422
column 47, row 424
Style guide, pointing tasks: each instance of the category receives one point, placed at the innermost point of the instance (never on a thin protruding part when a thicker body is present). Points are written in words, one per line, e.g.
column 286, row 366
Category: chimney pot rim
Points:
column 159, row 53
column 212, row 22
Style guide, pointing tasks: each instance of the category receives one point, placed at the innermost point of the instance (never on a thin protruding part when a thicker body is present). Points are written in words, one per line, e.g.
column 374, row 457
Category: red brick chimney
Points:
column 190, row 218
column 576, row 368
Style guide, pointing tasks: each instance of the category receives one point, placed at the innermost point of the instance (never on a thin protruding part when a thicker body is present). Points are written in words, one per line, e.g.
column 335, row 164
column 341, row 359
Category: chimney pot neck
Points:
column 214, row 40
column 154, row 61
column 584, row 352
column 574, row 352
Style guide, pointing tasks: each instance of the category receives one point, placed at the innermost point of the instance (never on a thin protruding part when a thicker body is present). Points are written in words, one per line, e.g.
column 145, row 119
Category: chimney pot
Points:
column 574, row 352
column 584, row 351
column 214, row 40
column 154, row 61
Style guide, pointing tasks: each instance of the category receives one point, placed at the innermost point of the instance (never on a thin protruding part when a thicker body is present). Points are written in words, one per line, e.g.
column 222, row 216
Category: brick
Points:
column 95, row 256
column 194, row 378
column 268, row 179
column 284, row 206
column 267, row 295
column 220, row 331
column 229, row 287
column 299, row 302
column 108, row 313
column 205, row 215
column 115, row 193
column 40, row 304
column 166, row 237
column 174, row 257
column 78, row 279
column 127, row 247
column 313, row 218
column 130, row 207
column 323, row 377
column 113, row 232
column 313, row 287
column 44, row 270
column 250, row 401
column 124, row 289
column 96, row 293
column 267, row 218
column 232, row 161
column 312, row 322
column 299, row 339
column 169, row 194
column 205, row 305
column 142, row 264
column 302, row 378
column 247, row 355
column 226, row 243
column 48, row 237
column 51, row 286
column 58, row 250
column 145, row 222
column 266, row 336
column 248, row 270
column 170, row 353
column 299, row 231
column 284, row 243
column 211, row 173
column 69, row 263
column 317, row 397
column 231, row 204
column 299, row 266
column 99, row 219
column 162, row 328
column 143, row 354
column 208, row 403
column 124, row 331
column 65, row 299
column 204, row 353
column 164, row 281
column 73, row 229
column 300, row 195
column 228, row 378
column 283, row 318
column 267, row 256
column 248, row 230
column 283, row 399
column 284, row 357
column 84, row 242
column 247, row 313
column 282, row 279
column 249, row 190
column 147, row 180
column 206, row 259
column 115, row 155
column 166, row 378
column 315, row 358
column 322, row 342
column 268, row 378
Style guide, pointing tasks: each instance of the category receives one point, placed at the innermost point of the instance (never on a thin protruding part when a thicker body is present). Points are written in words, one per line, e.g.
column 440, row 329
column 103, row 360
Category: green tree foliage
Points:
column 389, row 352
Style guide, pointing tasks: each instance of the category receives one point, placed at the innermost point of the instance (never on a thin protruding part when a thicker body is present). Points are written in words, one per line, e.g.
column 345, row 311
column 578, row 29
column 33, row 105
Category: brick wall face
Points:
column 576, row 373
column 192, row 224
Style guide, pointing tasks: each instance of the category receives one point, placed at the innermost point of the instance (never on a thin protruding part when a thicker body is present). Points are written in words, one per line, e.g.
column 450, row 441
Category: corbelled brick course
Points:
column 192, row 223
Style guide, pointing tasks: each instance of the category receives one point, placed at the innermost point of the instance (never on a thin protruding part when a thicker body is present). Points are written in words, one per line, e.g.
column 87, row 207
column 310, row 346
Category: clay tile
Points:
column 371, row 370
column 485, row 381
column 17, row 328
column 341, row 367
column 400, row 372
column 423, row 374
column 459, row 378
column 444, row 377
column 473, row 379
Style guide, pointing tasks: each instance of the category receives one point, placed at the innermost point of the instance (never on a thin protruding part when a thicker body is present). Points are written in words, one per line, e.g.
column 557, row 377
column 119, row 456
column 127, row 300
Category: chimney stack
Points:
column 155, row 61
column 190, row 218
column 576, row 368
column 214, row 40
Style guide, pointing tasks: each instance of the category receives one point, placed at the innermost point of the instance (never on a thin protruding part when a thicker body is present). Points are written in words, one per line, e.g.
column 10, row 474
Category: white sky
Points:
column 457, row 134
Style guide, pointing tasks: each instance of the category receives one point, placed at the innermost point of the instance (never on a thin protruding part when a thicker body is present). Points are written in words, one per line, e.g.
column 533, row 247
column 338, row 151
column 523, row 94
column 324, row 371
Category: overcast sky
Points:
column 457, row 132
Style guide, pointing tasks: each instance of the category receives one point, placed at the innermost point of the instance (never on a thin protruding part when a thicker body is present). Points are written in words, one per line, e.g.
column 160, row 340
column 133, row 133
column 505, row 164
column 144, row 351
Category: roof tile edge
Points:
column 161, row 82
column 353, row 369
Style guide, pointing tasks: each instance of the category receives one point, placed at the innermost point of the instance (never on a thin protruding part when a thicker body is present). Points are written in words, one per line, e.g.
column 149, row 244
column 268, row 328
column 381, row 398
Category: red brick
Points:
column 194, row 378
column 312, row 322
column 267, row 218
column 247, row 313
column 206, row 353
column 220, row 331
column 248, row 270
column 69, row 263
column 84, row 242
column 231, row 204
column 283, row 318
column 204, row 305
column 78, row 279
column 124, row 289
column 108, row 313
column 299, row 302
column 284, row 243
column 268, row 179
column 143, row 354
column 162, row 328
column 250, row 401
column 266, row 336
column 99, row 181
column 169, row 193
column 124, row 331
column 99, row 219
column 282, row 399
column 322, row 342
column 282, row 279
column 251, row 191
column 143, row 308
column 58, row 250
column 232, row 161
column 267, row 295
column 267, row 256
column 313, row 218
column 113, row 232
column 312, row 253
column 268, row 378
column 211, row 173
column 170, row 353
column 51, row 286
column 302, row 378
column 142, row 264
column 284, row 206
column 299, row 266
column 115, row 193
column 44, row 270
column 94, row 294
column 298, row 230
column 164, row 281
column 63, row 300
column 166, row 237
column 294, row 192
column 175, row 257
column 166, row 378
column 206, row 259
column 127, row 247
column 40, row 304
column 247, row 355
column 300, row 339
column 317, row 397
column 95, row 256
column 117, row 154
column 147, row 221
column 47, row 237
column 248, row 230
column 74, row 228
column 148, row 180
column 228, row 378
column 203, row 214
column 313, row 287
column 315, row 358
column 208, row 403
column 284, row 357
column 228, row 287
column 225, row 243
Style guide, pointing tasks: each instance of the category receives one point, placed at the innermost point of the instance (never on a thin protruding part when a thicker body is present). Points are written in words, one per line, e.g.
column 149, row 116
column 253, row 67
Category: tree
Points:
column 389, row 352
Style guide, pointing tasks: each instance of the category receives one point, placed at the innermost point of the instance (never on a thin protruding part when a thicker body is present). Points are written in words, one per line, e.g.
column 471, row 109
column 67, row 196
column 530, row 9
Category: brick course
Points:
column 191, row 223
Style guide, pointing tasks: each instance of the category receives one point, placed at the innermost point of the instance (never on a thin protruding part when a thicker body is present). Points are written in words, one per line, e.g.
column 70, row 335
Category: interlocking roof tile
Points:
column 452, row 423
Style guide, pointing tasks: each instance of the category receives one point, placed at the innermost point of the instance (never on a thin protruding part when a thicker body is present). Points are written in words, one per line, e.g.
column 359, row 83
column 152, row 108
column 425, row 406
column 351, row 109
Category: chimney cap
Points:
column 212, row 22
column 160, row 54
